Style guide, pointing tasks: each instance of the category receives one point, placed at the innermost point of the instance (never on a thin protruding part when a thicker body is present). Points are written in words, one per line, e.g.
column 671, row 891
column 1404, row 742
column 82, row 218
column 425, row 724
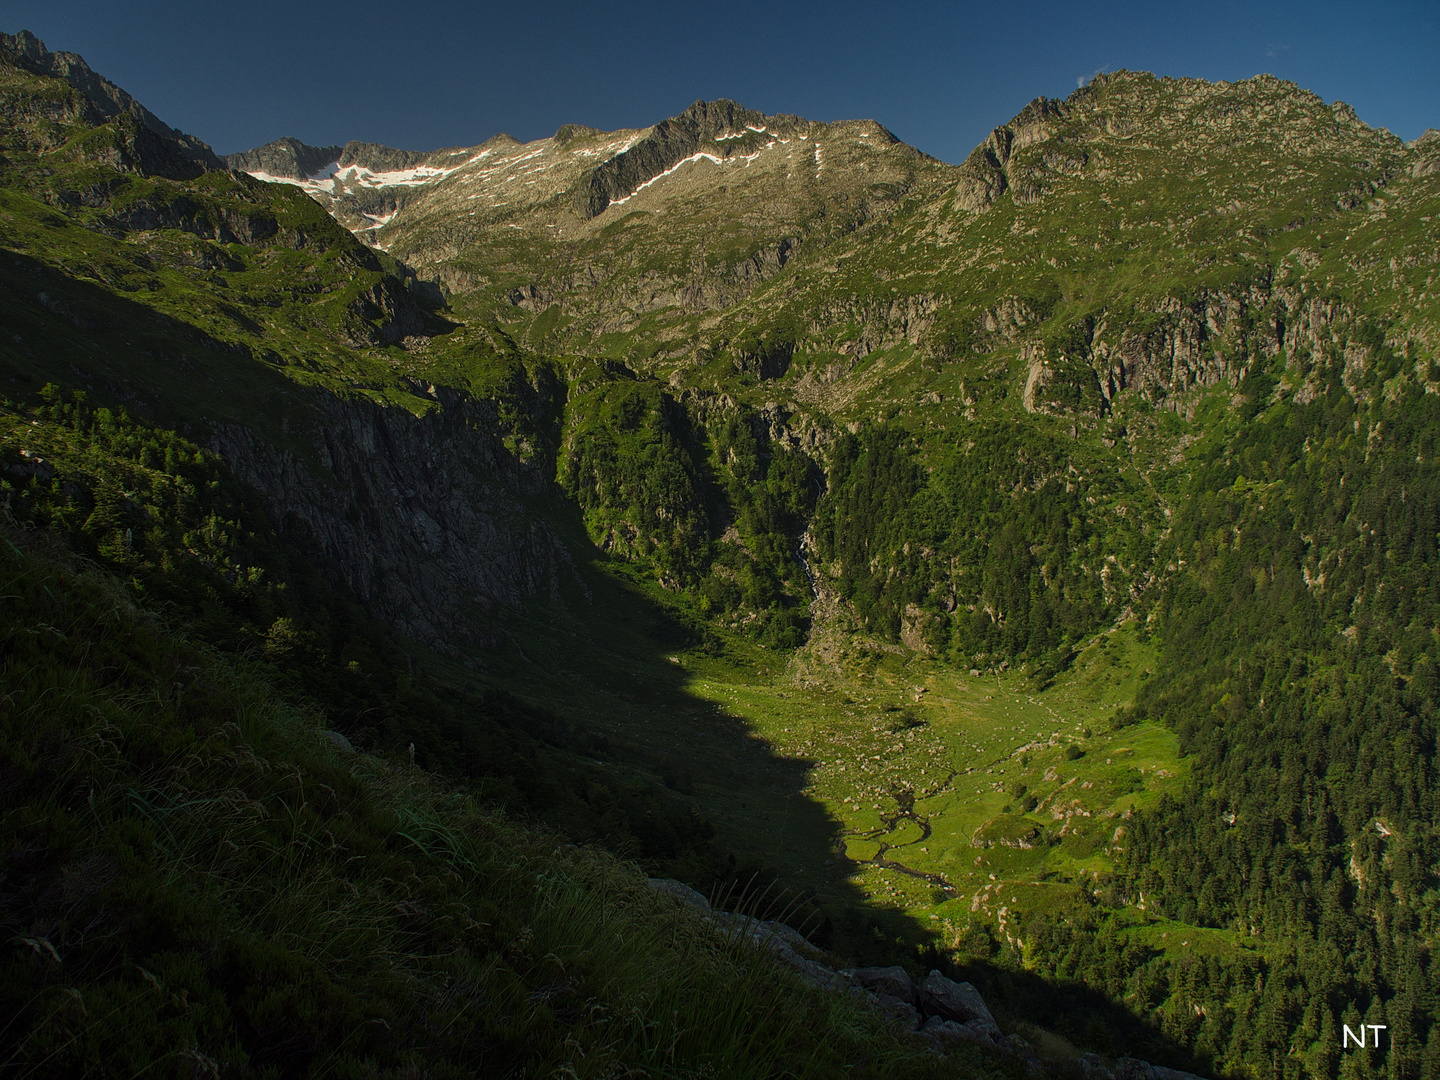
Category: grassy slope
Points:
column 199, row 880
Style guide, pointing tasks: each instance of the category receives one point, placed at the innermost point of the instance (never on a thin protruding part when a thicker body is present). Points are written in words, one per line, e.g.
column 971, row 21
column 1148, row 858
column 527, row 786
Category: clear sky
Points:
column 238, row 73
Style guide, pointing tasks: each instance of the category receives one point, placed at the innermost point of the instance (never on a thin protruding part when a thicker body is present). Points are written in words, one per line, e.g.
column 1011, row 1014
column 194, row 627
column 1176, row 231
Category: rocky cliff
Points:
column 722, row 128
column 288, row 158
column 431, row 519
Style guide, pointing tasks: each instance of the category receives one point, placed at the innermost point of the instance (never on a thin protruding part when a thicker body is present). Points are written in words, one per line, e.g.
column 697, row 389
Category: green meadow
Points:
column 965, row 801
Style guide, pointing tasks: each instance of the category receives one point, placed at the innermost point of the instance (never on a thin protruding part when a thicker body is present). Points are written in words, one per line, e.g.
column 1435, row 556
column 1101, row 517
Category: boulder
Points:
column 1092, row 1068
column 816, row 974
column 1160, row 1072
column 1134, row 1069
column 787, row 934
column 960, row 1002
column 894, row 981
column 682, row 892
column 907, row 1014
column 1017, row 1047
column 947, row 1033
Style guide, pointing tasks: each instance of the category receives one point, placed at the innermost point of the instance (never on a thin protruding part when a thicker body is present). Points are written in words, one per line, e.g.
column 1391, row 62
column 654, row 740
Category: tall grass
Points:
column 195, row 882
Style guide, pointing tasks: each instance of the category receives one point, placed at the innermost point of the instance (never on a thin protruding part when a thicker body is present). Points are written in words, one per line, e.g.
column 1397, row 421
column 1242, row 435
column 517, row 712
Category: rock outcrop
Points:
column 943, row 1012
column 429, row 519
column 987, row 174
column 1178, row 344
column 285, row 157
column 702, row 126
column 146, row 144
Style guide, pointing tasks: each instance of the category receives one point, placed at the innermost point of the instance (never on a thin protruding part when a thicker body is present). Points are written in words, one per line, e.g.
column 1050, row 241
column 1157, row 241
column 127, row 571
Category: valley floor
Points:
column 959, row 802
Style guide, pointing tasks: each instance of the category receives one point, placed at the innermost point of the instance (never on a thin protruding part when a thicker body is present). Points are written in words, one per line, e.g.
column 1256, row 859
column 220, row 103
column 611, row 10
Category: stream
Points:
column 904, row 811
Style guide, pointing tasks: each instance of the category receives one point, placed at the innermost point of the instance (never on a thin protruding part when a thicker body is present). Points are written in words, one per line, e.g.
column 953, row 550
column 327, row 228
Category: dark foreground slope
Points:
column 199, row 882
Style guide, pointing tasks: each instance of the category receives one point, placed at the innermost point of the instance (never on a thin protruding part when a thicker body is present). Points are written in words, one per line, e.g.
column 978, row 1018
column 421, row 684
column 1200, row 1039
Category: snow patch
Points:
column 416, row 177
column 686, row 161
column 307, row 184
column 325, row 180
column 746, row 158
column 609, row 150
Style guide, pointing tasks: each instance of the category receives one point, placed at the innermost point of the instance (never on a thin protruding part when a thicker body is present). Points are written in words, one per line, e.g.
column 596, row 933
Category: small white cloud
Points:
column 1081, row 80
column 1276, row 50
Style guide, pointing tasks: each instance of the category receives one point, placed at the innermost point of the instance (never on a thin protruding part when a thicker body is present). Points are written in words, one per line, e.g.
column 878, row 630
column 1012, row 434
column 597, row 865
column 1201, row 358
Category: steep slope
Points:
column 144, row 141
column 241, row 312
column 199, row 881
column 158, row 769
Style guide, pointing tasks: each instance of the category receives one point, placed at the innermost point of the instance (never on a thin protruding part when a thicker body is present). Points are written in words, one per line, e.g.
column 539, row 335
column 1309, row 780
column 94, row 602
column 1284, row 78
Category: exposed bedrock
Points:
column 429, row 519
column 669, row 143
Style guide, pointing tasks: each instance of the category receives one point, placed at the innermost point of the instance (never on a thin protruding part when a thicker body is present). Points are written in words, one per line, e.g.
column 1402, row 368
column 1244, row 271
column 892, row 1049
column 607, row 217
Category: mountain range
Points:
column 1025, row 568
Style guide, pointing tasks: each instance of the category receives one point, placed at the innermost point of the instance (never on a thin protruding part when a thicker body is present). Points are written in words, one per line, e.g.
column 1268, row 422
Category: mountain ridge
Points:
column 108, row 101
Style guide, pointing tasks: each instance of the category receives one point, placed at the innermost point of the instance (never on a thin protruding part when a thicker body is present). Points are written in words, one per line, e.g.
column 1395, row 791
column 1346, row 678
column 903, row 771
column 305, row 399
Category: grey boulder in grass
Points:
column 958, row 1001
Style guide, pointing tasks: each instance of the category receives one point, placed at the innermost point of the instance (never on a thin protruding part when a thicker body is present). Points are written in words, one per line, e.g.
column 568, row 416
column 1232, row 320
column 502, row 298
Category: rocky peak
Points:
column 287, row 157
column 568, row 133
column 1426, row 150
column 722, row 128
column 379, row 158
column 292, row 159
column 175, row 154
column 1026, row 156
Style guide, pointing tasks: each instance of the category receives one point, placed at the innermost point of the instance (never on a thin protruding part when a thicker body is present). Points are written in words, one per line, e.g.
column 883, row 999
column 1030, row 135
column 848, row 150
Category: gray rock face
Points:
column 30, row 465
column 395, row 310
column 1428, row 160
column 1212, row 338
column 947, row 1033
column 783, row 942
column 1127, row 1068
column 894, row 981
column 151, row 146
column 379, row 158
column 568, row 133
column 296, row 160
column 907, row 1014
column 672, row 141
column 960, row 1002
column 285, row 157
column 986, row 173
column 682, row 892
column 941, row 1011
column 425, row 517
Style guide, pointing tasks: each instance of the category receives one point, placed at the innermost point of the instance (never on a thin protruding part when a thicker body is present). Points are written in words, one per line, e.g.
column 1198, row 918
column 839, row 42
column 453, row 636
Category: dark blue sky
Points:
column 424, row 75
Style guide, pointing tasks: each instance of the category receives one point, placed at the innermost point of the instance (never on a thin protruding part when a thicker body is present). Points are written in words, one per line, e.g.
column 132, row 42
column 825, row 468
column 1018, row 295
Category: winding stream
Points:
column 904, row 798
